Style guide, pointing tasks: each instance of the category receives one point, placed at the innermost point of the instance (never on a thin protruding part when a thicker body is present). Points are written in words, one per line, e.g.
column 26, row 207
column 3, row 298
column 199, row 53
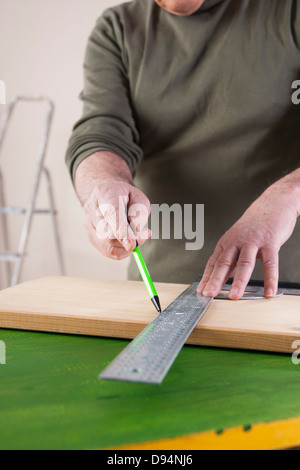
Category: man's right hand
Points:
column 109, row 210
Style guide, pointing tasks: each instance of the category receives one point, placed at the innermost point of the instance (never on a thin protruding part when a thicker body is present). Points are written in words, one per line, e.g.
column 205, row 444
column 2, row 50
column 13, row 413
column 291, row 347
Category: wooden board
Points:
column 122, row 309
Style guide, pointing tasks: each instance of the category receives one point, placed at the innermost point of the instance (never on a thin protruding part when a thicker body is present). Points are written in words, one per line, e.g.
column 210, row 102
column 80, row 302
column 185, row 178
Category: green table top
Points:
column 50, row 396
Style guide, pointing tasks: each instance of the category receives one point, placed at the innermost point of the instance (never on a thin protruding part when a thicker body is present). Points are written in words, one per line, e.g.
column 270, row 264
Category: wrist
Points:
column 288, row 188
column 97, row 169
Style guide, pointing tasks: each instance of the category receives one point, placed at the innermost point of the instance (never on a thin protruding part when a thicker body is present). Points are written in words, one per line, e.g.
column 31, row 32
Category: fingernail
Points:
column 269, row 293
column 127, row 244
column 234, row 291
column 209, row 289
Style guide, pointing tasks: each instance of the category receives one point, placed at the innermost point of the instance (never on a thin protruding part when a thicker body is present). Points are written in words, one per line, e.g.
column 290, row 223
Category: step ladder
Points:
column 15, row 259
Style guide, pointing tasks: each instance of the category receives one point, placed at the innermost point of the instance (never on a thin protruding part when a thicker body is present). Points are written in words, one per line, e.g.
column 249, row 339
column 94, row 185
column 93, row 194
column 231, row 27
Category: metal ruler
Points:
column 150, row 355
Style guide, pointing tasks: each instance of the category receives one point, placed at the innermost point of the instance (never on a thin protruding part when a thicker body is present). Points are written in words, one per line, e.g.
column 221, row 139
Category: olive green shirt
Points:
column 200, row 108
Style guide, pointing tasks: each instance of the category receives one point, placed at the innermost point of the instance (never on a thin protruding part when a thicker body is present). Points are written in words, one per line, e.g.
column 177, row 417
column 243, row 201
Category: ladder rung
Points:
column 9, row 257
column 21, row 210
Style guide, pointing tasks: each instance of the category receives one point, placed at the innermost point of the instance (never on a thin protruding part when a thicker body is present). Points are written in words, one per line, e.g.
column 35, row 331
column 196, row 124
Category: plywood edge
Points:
column 124, row 329
column 67, row 324
column 243, row 339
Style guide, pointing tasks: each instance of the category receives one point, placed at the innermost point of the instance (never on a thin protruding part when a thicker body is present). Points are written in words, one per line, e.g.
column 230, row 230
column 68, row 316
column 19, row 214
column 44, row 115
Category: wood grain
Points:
column 122, row 309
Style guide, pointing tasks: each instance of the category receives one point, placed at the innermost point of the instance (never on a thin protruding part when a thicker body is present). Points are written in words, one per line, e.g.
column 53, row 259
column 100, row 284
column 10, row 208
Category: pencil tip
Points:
column 156, row 303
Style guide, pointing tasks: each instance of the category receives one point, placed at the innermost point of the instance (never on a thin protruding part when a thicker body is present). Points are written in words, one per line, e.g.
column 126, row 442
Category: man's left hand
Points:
column 258, row 234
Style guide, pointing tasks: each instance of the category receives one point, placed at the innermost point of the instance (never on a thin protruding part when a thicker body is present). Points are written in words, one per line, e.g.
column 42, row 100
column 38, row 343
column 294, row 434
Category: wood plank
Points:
column 122, row 309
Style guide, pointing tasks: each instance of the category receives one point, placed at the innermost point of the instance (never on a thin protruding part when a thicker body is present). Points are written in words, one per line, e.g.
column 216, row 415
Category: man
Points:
column 193, row 99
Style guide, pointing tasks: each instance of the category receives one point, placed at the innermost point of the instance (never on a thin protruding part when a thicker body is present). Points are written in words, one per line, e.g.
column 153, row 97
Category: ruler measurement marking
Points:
column 150, row 355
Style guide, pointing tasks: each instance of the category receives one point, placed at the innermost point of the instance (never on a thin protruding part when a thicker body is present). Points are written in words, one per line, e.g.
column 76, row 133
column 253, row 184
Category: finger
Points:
column 244, row 268
column 209, row 268
column 222, row 268
column 115, row 252
column 232, row 274
column 144, row 236
column 96, row 221
column 105, row 241
column 104, row 232
column 108, row 245
column 115, row 215
column 270, row 265
column 138, row 215
column 116, row 243
column 92, row 213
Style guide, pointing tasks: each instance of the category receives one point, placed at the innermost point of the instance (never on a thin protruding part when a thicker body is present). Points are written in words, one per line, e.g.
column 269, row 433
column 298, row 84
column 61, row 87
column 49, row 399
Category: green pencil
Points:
column 146, row 277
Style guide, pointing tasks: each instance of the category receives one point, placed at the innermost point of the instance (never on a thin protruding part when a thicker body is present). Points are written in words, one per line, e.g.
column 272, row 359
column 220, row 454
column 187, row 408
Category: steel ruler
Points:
column 150, row 355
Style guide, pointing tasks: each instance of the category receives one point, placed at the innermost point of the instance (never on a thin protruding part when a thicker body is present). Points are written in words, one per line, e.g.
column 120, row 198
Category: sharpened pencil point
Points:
column 156, row 303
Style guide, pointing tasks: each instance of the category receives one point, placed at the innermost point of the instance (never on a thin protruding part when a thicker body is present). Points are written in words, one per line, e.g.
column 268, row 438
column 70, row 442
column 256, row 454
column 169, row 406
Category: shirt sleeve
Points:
column 295, row 23
column 107, row 122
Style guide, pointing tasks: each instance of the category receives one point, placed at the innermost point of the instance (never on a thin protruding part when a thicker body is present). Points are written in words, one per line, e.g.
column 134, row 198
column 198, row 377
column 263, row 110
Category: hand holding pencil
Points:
column 116, row 214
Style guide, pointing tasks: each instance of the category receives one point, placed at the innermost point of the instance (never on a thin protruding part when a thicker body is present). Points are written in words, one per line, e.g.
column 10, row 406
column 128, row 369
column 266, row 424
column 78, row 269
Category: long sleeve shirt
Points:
column 200, row 108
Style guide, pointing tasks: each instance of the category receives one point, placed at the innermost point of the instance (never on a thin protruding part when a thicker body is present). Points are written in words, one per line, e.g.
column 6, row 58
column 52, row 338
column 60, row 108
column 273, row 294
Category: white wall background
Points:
column 42, row 44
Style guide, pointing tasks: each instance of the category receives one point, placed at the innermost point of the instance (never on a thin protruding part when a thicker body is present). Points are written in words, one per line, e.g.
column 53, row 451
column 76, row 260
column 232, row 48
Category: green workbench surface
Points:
column 50, row 396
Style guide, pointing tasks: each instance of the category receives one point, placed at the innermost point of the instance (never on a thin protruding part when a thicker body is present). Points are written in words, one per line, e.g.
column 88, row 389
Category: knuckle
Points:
column 210, row 265
column 245, row 262
column 249, row 246
column 111, row 241
column 211, row 262
column 108, row 211
column 269, row 263
column 144, row 202
column 222, row 243
column 111, row 251
column 116, row 252
column 268, row 236
column 223, row 263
